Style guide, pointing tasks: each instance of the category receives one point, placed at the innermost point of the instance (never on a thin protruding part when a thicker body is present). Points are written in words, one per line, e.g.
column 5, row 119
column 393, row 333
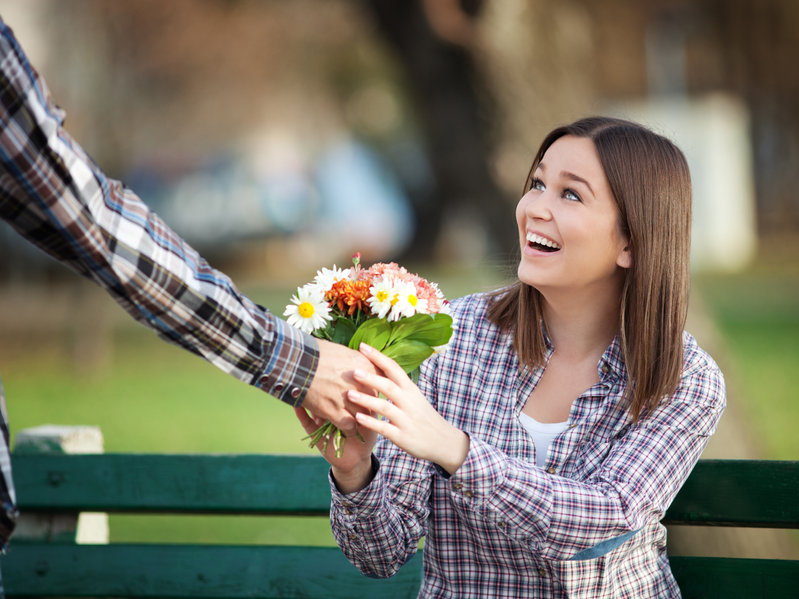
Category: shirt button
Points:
column 551, row 470
column 501, row 524
column 279, row 387
column 542, row 572
column 264, row 380
column 468, row 494
column 457, row 486
column 295, row 392
column 605, row 367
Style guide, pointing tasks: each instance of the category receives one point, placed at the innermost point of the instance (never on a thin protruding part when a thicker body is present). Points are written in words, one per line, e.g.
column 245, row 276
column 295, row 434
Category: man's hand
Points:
column 327, row 396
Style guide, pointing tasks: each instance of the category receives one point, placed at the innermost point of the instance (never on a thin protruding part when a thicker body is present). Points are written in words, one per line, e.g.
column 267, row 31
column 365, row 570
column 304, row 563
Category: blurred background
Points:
column 281, row 136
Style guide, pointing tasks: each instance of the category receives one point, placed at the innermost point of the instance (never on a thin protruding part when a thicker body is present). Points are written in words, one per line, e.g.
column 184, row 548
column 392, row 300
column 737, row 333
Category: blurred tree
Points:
column 696, row 47
column 431, row 40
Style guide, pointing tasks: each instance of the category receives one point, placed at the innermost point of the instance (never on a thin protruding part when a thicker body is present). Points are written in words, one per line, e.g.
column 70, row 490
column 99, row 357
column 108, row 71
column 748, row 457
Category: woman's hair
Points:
column 651, row 184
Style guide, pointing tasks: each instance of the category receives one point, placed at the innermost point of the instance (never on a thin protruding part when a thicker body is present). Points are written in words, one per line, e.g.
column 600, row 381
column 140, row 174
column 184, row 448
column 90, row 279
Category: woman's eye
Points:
column 537, row 184
column 571, row 195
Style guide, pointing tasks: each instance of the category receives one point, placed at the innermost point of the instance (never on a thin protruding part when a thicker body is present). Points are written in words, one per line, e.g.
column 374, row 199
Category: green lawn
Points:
column 757, row 314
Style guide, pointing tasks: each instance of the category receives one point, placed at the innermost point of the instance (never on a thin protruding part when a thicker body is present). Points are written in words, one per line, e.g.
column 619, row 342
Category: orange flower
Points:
column 349, row 296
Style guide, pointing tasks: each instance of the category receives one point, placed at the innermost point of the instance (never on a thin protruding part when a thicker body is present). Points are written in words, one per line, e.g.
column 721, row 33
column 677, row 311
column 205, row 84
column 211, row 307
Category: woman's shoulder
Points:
column 696, row 359
column 701, row 380
column 474, row 303
column 470, row 317
column 471, row 310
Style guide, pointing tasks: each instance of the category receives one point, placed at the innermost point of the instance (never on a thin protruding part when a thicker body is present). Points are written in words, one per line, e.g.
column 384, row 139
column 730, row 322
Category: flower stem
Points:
column 325, row 433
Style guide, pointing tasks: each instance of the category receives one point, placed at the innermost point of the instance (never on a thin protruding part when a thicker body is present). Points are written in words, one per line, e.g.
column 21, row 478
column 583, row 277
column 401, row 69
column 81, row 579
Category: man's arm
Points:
column 55, row 196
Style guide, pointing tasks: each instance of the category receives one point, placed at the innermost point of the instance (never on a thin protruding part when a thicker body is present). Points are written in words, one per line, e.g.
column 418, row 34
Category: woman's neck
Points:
column 581, row 327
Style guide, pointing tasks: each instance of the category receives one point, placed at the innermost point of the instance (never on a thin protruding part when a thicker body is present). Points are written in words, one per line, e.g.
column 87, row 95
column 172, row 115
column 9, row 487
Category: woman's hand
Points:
column 413, row 424
column 353, row 470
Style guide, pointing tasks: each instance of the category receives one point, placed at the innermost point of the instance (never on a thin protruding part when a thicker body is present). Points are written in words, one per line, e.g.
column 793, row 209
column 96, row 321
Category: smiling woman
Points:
column 543, row 448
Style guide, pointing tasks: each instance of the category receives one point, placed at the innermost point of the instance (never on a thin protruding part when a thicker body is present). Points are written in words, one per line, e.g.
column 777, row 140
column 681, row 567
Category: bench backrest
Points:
column 718, row 493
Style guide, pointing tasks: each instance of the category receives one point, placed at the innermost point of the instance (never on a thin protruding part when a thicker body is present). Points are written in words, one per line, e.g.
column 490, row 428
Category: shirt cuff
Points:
column 480, row 475
column 359, row 504
column 293, row 360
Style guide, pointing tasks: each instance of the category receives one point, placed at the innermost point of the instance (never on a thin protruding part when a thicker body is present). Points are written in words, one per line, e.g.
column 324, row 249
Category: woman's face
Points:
column 569, row 223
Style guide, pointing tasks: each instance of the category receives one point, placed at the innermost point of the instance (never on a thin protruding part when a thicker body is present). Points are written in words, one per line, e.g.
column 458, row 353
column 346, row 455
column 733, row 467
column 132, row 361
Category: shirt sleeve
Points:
column 637, row 477
column 379, row 527
column 53, row 194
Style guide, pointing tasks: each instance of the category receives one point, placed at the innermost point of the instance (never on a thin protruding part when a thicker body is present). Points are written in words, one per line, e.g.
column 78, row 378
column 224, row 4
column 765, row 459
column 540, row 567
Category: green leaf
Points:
column 408, row 354
column 373, row 332
column 342, row 330
column 405, row 327
column 433, row 330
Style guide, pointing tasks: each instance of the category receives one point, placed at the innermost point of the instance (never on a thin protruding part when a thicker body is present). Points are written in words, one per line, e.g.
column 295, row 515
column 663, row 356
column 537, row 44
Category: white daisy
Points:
column 407, row 302
column 382, row 295
column 327, row 276
column 308, row 310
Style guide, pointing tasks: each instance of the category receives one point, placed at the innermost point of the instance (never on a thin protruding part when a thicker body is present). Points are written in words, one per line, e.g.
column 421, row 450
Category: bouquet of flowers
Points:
column 399, row 313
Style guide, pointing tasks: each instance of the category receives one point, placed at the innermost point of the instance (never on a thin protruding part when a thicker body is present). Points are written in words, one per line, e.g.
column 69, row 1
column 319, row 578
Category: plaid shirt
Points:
column 54, row 195
column 587, row 525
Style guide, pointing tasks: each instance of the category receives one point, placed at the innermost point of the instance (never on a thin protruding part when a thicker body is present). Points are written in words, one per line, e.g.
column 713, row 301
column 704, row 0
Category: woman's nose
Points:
column 537, row 204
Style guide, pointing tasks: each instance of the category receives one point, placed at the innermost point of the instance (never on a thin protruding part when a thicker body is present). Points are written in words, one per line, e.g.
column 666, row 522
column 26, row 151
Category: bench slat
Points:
column 183, row 571
column 722, row 578
column 751, row 493
column 718, row 492
column 202, row 571
column 236, row 484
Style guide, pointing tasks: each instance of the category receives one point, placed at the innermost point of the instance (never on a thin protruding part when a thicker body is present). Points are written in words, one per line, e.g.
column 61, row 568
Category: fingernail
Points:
column 352, row 394
column 358, row 373
column 365, row 348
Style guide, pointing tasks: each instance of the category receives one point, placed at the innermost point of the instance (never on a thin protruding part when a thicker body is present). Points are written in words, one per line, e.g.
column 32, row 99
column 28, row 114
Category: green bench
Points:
column 718, row 493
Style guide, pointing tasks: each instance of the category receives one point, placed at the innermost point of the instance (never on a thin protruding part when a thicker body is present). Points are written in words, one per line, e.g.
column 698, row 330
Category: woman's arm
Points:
column 379, row 504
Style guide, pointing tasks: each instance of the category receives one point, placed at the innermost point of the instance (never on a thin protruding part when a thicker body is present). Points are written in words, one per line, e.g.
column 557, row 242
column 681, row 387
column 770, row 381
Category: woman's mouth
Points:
column 541, row 243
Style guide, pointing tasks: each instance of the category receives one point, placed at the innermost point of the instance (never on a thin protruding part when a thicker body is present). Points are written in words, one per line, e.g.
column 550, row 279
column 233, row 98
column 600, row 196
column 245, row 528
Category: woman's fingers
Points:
column 390, row 368
column 375, row 382
column 369, row 403
column 381, row 427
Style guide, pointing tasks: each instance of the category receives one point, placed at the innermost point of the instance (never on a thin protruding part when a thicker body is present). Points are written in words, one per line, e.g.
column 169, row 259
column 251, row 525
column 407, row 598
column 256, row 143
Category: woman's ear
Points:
column 625, row 257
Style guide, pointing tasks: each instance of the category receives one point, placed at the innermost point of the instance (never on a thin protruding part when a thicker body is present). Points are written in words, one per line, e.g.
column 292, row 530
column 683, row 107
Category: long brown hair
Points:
column 651, row 184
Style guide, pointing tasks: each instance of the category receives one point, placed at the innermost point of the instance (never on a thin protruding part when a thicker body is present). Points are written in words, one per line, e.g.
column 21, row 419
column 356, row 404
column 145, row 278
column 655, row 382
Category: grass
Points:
column 757, row 314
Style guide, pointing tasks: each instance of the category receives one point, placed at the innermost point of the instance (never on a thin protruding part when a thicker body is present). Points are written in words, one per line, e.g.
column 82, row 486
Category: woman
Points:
column 538, row 454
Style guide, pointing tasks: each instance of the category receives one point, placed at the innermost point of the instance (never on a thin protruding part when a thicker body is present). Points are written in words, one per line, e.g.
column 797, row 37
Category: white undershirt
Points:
column 543, row 433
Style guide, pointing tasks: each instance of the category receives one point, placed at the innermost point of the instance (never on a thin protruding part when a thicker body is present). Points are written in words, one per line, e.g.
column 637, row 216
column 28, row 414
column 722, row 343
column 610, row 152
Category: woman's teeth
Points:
column 542, row 242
